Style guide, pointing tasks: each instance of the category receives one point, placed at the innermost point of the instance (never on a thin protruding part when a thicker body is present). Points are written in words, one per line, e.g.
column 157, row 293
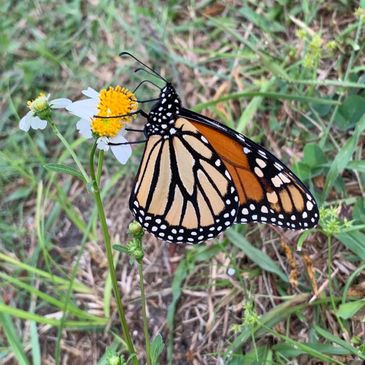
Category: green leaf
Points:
column 251, row 108
column 329, row 336
column 28, row 316
column 313, row 155
column 34, row 339
column 354, row 241
column 358, row 211
column 302, row 239
column 289, row 350
column 121, row 248
column 348, row 310
column 343, row 157
column 157, row 346
column 64, row 169
column 261, row 20
column 357, row 165
column 257, row 356
column 302, row 170
column 21, row 193
column 13, row 339
column 350, row 112
column 256, row 255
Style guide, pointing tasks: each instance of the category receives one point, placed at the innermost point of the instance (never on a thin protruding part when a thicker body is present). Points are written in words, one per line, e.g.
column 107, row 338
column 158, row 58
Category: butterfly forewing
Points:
column 268, row 191
column 183, row 190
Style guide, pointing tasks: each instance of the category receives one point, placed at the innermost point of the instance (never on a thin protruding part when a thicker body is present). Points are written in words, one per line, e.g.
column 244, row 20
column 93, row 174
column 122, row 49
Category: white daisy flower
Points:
column 38, row 109
column 114, row 101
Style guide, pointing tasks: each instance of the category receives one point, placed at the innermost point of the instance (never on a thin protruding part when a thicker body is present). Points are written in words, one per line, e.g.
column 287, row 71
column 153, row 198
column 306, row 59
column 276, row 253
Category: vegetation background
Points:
column 290, row 75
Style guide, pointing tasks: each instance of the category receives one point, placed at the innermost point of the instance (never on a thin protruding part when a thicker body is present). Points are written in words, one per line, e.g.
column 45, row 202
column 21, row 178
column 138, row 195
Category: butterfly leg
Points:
column 134, row 130
column 147, row 101
column 124, row 143
column 140, row 111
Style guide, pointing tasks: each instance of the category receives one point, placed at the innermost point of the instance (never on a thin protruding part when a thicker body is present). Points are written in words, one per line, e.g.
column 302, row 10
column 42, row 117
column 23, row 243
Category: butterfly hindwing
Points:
column 183, row 191
column 268, row 191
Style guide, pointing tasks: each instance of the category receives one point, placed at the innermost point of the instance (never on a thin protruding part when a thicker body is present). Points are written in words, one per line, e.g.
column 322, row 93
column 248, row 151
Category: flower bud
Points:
column 135, row 250
column 136, row 230
column 40, row 106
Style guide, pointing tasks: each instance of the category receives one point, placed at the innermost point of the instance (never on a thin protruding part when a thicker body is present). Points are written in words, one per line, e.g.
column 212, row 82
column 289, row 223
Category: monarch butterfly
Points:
column 197, row 177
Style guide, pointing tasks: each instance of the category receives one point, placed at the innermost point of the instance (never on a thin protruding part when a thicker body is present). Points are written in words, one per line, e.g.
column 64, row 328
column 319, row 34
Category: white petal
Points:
column 84, row 128
column 38, row 123
column 102, row 143
column 60, row 103
column 121, row 152
column 24, row 123
column 84, row 109
column 91, row 93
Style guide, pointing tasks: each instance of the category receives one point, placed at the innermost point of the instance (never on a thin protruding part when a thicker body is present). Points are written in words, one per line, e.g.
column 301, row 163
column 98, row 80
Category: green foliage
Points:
column 157, row 347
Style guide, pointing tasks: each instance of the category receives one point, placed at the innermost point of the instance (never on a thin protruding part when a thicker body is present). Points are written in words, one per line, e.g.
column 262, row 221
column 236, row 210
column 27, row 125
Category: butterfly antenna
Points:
column 143, row 82
column 143, row 64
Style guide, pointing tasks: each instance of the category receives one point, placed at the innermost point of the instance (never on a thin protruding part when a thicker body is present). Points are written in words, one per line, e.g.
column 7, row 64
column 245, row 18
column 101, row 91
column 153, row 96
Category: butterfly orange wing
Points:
column 268, row 191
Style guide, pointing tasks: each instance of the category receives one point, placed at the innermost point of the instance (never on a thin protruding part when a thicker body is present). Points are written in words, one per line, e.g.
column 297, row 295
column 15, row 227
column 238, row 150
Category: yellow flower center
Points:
column 39, row 104
column 113, row 102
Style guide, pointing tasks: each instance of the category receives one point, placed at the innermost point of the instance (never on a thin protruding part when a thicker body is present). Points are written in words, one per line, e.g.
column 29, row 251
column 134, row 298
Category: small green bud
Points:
column 114, row 360
column 136, row 230
column 360, row 13
column 251, row 318
column 316, row 43
column 330, row 222
column 40, row 106
column 331, row 45
column 301, row 34
column 356, row 340
column 134, row 249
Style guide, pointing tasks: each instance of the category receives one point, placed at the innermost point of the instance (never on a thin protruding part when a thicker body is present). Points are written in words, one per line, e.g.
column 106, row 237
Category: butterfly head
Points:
column 169, row 100
column 164, row 113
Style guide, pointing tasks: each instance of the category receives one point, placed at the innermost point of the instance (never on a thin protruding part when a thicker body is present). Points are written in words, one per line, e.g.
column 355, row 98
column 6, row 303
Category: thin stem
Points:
column 100, row 166
column 109, row 252
column 144, row 312
column 70, row 150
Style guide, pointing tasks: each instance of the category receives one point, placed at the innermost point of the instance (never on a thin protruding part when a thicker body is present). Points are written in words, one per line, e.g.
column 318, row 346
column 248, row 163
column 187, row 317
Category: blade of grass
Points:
column 309, row 350
column 13, row 339
column 354, row 241
column 252, row 107
column 270, row 95
column 256, row 255
column 79, row 287
column 49, row 299
column 19, row 313
column 34, row 341
column 343, row 157
column 331, row 337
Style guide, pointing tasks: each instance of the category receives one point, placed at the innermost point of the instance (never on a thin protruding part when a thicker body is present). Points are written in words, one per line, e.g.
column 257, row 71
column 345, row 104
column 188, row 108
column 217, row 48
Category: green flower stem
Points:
column 100, row 166
column 144, row 312
column 108, row 248
column 69, row 149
